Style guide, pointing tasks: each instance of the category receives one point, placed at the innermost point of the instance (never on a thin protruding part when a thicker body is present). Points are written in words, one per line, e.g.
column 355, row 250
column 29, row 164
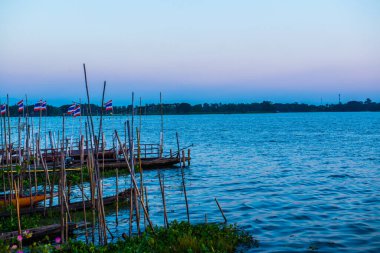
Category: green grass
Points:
column 179, row 237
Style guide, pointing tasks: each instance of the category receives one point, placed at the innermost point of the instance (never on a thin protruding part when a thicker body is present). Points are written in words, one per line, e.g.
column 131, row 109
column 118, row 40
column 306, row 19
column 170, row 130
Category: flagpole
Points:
column 23, row 111
column 1, row 134
column 45, row 128
column 26, row 102
column 80, row 118
column 39, row 122
column 162, row 128
column 9, row 164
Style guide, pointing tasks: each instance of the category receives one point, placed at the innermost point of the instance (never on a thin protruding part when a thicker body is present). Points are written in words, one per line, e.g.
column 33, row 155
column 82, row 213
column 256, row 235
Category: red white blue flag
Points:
column 3, row 109
column 43, row 106
column 77, row 111
column 38, row 106
column 20, row 105
column 109, row 106
column 71, row 109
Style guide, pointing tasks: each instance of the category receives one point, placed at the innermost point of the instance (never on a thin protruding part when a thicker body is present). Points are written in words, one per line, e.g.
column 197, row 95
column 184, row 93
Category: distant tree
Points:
column 184, row 108
column 267, row 106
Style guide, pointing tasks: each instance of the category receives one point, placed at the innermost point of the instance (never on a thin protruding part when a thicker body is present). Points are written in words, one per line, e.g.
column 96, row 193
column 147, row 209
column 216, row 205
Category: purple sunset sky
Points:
column 194, row 51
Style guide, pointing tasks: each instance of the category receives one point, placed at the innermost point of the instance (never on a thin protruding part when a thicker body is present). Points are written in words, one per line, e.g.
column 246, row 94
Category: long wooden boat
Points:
column 41, row 232
column 24, row 201
column 76, row 206
column 146, row 163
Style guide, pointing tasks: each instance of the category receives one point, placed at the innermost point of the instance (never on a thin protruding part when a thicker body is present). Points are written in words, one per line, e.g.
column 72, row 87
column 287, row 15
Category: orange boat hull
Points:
column 26, row 201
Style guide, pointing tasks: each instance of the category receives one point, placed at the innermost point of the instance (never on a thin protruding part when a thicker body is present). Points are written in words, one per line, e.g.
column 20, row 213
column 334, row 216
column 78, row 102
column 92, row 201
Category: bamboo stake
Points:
column 131, row 160
column 188, row 157
column 4, row 145
column 166, row 223
column 138, row 133
column 81, row 182
column 34, row 162
column 61, row 187
column 52, row 150
column 162, row 128
column 19, row 141
column 184, row 190
column 137, row 213
column 131, row 211
column 146, row 199
column 220, row 209
column 117, row 197
column 135, row 184
column 183, row 179
column 101, row 215
column 9, row 156
column 18, row 210
column 183, row 158
column 89, row 169
column 28, row 162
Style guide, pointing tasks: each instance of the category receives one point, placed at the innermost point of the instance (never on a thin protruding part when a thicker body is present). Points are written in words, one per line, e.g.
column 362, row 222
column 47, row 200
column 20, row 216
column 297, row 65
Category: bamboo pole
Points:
column 92, row 191
column 34, row 156
column 135, row 184
column 132, row 166
column 146, row 199
column 138, row 133
column 162, row 128
column 18, row 210
column 183, row 179
column 188, row 157
column 61, row 184
column 220, row 209
column 9, row 156
column 101, row 213
column 4, row 146
column 162, row 188
column 184, row 191
column 183, row 158
column 81, row 147
column 137, row 213
column 130, row 211
column 117, row 197
column 52, row 150
column 28, row 161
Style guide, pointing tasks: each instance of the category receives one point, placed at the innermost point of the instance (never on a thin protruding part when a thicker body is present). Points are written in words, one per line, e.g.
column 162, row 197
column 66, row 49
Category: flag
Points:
column 43, row 106
column 38, row 106
column 109, row 106
column 77, row 111
column 71, row 109
column 3, row 109
column 20, row 106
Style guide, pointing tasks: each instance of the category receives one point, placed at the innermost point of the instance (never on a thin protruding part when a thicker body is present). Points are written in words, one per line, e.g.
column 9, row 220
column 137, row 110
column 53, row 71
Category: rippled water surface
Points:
column 296, row 181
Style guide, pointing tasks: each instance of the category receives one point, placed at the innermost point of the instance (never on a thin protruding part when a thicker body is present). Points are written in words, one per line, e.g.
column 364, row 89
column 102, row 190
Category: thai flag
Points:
column 77, row 111
column 43, row 106
column 20, row 105
column 71, row 109
column 38, row 106
column 109, row 106
column 3, row 109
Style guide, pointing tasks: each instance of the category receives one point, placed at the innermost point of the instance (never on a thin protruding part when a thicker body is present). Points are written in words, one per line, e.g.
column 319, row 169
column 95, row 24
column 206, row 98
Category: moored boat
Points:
column 24, row 201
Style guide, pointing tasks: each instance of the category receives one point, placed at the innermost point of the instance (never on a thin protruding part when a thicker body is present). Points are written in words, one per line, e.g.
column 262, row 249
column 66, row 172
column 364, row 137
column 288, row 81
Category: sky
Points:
column 192, row 51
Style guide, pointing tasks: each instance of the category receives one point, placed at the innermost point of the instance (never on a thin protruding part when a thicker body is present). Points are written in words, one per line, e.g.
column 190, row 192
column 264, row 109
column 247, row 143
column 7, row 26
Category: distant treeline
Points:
column 215, row 108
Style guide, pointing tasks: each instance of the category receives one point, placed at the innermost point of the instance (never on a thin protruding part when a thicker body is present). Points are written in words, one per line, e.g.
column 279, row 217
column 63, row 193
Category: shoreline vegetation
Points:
column 216, row 108
column 177, row 237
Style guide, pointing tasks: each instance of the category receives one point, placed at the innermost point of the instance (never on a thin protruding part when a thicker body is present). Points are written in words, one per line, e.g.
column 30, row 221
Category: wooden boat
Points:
column 76, row 206
column 41, row 232
column 146, row 163
column 24, row 201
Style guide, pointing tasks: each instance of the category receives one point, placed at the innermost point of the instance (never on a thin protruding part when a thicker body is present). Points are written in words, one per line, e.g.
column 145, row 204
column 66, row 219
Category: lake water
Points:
column 296, row 181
